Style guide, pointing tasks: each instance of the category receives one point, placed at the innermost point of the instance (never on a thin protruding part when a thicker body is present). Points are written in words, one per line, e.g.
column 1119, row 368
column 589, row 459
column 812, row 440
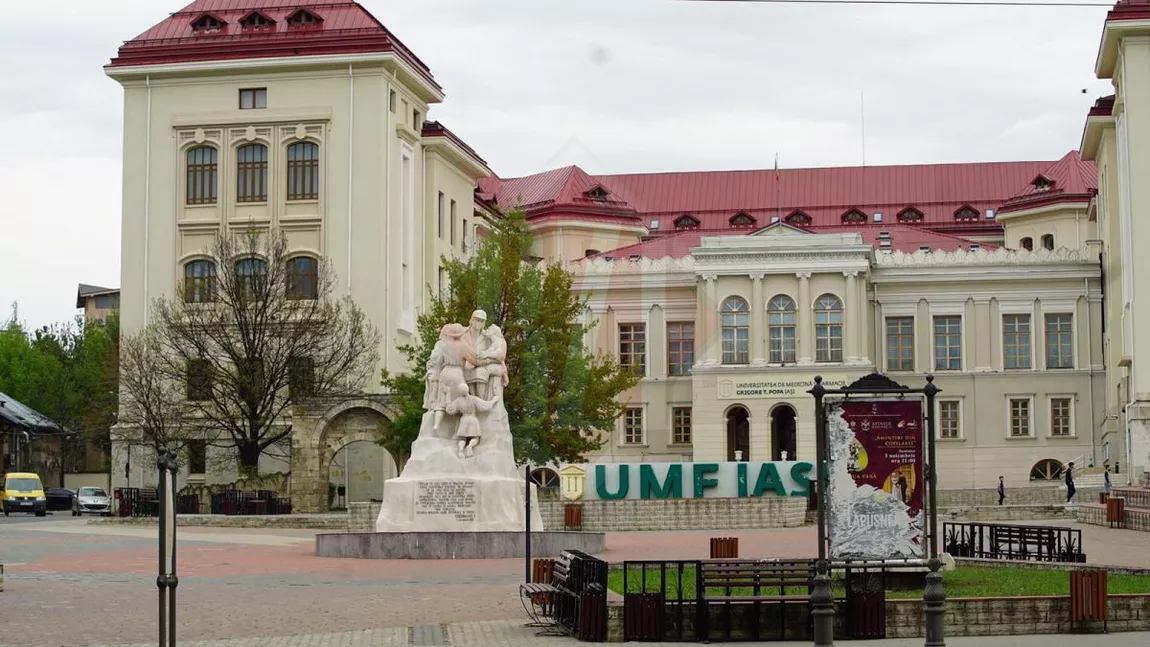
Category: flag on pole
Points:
column 778, row 191
column 776, row 168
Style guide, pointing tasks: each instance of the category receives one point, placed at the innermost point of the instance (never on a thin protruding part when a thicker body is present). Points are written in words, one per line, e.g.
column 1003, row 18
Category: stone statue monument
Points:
column 462, row 474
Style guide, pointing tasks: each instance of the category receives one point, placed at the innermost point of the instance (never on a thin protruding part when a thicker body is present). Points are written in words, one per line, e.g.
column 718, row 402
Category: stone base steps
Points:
column 1097, row 480
column 334, row 521
column 1095, row 515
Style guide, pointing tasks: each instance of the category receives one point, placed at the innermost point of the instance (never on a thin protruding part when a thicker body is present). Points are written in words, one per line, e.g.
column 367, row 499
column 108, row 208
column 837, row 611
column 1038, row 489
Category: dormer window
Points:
column 910, row 214
column 742, row 220
column 256, row 21
column 798, row 219
column 854, row 216
column 1042, row 184
column 207, row 24
column 599, row 194
column 686, row 221
column 966, row 213
column 303, row 19
column 588, row 253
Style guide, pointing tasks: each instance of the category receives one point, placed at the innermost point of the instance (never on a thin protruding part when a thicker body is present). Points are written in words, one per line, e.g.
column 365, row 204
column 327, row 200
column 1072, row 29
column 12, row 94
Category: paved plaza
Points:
column 69, row 583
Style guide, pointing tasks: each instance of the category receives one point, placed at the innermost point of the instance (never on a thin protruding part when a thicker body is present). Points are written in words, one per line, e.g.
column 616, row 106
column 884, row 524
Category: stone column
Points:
column 806, row 331
column 851, row 319
column 866, row 334
column 758, row 322
column 981, row 343
column 710, row 320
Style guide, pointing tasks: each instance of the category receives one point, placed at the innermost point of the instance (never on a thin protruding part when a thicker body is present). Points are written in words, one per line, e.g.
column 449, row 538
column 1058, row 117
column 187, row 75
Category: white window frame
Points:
column 961, row 419
column 1002, row 315
column 642, row 408
column 1030, row 427
column 947, row 312
column 1073, row 338
column 1050, row 398
column 913, row 341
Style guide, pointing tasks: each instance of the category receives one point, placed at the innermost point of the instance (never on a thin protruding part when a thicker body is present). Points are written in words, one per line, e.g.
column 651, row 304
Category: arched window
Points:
column 302, row 278
column 1047, row 469
column 199, row 282
column 1048, row 241
column 252, row 173
column 201, row 175
column 828, row 329
column 303, row 171
column 1027, row 243
column 798, row 219
column 251, row 278
column 736, row 318
column 781, row 329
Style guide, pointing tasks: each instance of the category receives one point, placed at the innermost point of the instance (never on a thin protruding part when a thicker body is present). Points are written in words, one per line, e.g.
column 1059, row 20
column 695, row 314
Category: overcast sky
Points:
column 615, row 86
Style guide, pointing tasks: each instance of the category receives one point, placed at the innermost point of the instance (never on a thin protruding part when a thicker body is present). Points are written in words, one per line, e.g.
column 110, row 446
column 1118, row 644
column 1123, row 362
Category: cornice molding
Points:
column 1000, row 256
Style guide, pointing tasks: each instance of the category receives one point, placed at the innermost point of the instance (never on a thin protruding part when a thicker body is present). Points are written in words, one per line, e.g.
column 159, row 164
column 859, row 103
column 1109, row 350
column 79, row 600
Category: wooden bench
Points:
column 538, row 597
column 776, row 582
column 1026, row 542
column 1088, row 601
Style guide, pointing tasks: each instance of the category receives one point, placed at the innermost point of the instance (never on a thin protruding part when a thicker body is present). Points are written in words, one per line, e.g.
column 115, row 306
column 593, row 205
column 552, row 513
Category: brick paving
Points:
column 68, row 583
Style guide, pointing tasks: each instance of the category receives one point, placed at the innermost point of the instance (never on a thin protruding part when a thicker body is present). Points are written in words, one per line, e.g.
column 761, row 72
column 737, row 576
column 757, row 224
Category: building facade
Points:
column 1117, row 139
column 728, row 292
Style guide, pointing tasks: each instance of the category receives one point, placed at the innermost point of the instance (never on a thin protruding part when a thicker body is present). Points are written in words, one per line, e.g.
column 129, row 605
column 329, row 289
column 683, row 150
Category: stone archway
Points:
column 317, row 438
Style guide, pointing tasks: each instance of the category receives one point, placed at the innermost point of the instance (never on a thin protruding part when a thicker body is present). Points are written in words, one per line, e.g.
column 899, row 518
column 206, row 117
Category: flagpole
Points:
column 778, row 191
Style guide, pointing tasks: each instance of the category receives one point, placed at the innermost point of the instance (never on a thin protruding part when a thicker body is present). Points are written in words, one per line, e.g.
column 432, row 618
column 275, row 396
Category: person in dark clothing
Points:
column 1070, row 490
column 1001, row 491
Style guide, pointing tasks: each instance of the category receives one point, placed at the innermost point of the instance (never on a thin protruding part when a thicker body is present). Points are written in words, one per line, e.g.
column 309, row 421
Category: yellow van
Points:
column 23, row 492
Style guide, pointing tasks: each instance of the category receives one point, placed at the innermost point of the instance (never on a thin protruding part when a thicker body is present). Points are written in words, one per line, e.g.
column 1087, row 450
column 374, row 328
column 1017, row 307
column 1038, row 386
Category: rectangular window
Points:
column 440, row 214
column 633, row 426
column 391, row 101
column 949, row 419
column 1016, row 342
column 829, row 334
column 452, row 239
column 1019, row 417
column 681, row 425
column 416, row 120
column 301, row 377
column 252, row 173
column 463, row 239
column 633, row 347
column 442, row 282
column 1059, row 341
column 900, row 343
column 1060, row 417
column 199, row 378
column 253, row 98
column 680, row 348
column 948, row 343
column 781, row 330
column 197, row 456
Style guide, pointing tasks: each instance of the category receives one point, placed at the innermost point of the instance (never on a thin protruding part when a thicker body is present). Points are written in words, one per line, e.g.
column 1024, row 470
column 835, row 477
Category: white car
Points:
column 91, row 500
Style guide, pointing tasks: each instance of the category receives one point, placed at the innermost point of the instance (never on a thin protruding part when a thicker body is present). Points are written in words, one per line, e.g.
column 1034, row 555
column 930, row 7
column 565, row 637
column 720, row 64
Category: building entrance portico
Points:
column 738, row 433
column 784, row 435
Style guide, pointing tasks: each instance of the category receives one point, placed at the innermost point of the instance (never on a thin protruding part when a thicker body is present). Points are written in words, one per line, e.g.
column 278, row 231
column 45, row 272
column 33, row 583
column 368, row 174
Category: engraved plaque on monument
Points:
column 454, row 500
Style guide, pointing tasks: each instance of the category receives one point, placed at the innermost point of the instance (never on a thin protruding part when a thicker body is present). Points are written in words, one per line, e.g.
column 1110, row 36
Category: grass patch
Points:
column 964, row 582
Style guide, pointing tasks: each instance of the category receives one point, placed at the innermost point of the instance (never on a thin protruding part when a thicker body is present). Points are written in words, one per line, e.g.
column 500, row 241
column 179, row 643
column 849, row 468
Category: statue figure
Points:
column 466, row 406
column 492, row 362
column 476, row 378
column 455, row 352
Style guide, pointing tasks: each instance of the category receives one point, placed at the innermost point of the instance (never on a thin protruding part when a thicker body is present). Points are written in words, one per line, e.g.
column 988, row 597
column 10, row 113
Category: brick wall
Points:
column 980, row 616
column 361, row 516
column 1096, row 515
column 1038, row 495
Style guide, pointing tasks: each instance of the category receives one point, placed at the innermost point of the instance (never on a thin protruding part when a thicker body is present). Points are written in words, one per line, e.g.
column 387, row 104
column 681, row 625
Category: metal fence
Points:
column 1013, row 542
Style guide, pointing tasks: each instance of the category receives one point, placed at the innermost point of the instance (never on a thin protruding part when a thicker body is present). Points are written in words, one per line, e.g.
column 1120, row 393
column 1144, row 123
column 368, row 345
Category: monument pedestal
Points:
column 455, row 504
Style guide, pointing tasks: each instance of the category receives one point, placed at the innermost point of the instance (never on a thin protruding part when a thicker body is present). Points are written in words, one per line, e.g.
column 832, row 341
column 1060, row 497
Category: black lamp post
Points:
column 166, row 579
column 822, row 599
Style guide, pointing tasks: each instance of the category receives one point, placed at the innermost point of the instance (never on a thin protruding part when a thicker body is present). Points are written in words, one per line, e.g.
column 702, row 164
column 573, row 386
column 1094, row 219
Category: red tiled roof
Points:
column 1070, row 179
column 569, row 186
column 436, row 129
column 1129, row 10
column 345, row 28
column 905, row 238
column 1103, row 107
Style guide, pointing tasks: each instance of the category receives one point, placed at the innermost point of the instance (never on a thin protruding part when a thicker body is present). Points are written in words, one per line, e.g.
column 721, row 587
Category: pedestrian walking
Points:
column 1001, row 491
column 1070, row 489
column 1106, row 487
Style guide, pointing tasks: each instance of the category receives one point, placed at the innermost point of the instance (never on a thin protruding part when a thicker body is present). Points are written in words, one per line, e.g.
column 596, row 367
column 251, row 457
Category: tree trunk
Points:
column 249, row 457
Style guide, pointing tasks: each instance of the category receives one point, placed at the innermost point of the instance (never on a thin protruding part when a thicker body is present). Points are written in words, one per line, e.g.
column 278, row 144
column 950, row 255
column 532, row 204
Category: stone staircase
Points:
column 1093, row 478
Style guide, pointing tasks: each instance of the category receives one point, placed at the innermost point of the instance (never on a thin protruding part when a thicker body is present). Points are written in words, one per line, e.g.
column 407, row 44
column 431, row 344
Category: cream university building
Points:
column 1014, row 283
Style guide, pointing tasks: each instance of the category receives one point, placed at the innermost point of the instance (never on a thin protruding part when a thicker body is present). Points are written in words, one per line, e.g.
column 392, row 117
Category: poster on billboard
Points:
column 875, row 472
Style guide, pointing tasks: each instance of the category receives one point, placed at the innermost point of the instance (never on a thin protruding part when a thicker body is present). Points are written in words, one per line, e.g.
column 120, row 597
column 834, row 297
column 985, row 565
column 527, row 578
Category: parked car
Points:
column 91, row 500
column 59, row 498
column 23, row 492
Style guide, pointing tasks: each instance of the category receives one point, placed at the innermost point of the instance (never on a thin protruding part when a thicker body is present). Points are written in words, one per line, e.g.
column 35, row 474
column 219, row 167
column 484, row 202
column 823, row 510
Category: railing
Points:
column 1013, row 542
column 1079, row 461
column 661, row 601
column 259, row 502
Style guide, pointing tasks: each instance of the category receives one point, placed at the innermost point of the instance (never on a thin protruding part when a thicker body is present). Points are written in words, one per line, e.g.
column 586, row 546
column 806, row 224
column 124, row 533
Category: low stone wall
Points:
column 301, row 521
column 1095, row 515
column 1036, row 495
column 980, row 616
column 1006, row 513
column 454, row 545
column 682, row 514
column 361, row 516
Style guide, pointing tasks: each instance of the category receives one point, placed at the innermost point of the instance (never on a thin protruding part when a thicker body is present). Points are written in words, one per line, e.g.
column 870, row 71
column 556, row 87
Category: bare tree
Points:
column 254, row 330
column 154, row 410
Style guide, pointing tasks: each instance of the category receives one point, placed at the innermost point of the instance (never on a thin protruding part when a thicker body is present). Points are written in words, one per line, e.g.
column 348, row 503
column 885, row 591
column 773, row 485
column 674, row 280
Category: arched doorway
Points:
column 783, row 436
column 738, row 433
column 1047, row 469
column 356, row 473
column 547, row 480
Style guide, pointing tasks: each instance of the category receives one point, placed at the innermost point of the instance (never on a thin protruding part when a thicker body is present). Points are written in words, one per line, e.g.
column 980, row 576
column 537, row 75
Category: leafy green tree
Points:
column 561, row 398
